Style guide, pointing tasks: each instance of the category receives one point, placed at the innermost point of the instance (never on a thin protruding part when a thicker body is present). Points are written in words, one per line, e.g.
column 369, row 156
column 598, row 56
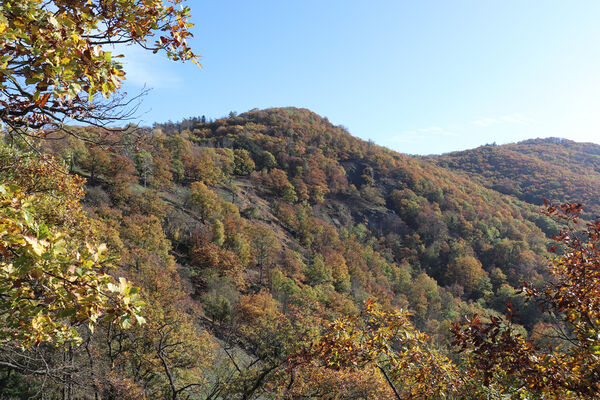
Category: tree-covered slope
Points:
column 284, row 190
column 557, row 170
column 250, row 234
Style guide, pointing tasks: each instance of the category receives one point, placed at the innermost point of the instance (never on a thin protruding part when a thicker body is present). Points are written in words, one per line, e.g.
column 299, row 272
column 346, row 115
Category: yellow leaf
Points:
column 35, row 244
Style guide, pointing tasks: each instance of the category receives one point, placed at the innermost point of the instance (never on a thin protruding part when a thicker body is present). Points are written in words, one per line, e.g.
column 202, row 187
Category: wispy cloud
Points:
column 505, row 119
column 442, row 134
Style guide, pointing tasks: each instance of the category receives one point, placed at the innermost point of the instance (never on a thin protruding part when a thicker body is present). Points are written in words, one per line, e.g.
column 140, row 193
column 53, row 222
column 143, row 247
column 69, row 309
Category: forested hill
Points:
column 554, row 169
column 427, row 216
column 342, row 218
column 263, row 227
column 270, row 255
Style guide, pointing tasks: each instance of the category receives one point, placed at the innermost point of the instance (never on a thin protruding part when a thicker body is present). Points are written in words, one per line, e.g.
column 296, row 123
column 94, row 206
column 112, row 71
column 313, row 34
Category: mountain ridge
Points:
column 553, row 169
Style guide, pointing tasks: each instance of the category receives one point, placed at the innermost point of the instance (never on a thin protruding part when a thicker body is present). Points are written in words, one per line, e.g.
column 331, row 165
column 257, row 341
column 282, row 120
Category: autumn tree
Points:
column 386, row 342
column 208, row 258
column 55, row 282
column 144, row 165
column 55, row 61
column 467, row 272
column 205, row 201
column 49, row 282
column 265, row 248
column 278, row 182
column 94, row 159
column 120, row 175
column 244, row 165
column 51, row 260
column 508, row 363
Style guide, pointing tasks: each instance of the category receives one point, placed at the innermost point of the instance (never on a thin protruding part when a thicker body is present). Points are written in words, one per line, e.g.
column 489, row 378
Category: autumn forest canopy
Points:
column 271, row 254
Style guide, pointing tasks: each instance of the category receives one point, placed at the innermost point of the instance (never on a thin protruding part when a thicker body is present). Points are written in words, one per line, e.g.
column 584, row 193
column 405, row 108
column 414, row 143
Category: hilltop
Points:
column 554, row 169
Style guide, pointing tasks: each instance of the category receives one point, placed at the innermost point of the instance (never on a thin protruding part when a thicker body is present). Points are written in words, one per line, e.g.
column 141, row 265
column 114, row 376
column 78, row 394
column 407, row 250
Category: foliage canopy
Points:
column 55, row 55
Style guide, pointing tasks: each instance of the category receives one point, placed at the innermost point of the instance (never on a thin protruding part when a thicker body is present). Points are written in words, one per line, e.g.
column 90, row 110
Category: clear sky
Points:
column 417, row 76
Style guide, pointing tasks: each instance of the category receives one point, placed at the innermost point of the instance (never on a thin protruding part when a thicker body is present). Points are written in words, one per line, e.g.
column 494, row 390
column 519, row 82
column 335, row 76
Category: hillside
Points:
column 309, row 166
column 249, row 234
column 271, row 255
column 371, row 221
column 557, row 170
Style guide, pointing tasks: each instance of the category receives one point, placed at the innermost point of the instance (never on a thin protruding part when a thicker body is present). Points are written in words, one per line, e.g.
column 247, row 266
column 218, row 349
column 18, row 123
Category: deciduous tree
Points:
column 55, row 58
column 507, row 362
column 386, row 342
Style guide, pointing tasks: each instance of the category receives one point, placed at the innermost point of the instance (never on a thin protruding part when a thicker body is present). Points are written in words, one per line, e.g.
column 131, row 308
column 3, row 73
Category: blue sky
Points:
column 420, row 77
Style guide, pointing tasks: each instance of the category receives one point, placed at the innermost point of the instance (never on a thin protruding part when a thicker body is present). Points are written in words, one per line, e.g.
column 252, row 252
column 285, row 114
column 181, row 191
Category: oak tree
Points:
column 55, row 59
